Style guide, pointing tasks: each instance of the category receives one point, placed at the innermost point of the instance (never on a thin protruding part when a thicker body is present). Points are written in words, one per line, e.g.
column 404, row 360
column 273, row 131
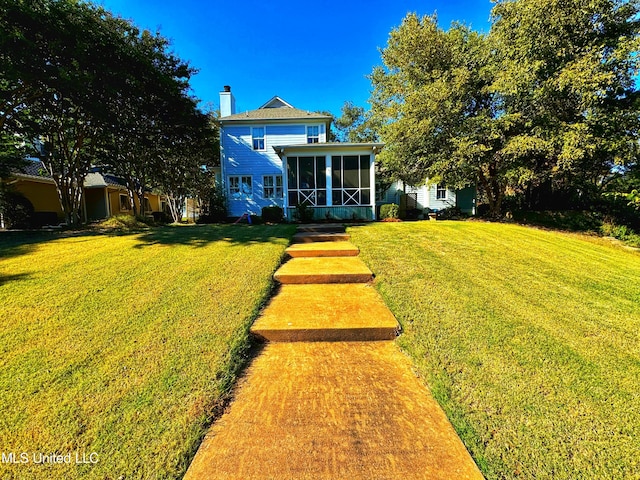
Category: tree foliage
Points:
column 569, row 76
column 542, row 104
column 355, row 124
column 93, row 90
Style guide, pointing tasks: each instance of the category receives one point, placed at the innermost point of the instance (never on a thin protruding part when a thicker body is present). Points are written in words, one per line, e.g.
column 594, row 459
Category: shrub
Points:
column 273, row 214
column 218, row 205
column 621, row 232
column 389, row 210
column 17, row 210
column 40, row 219
column 451, row 213
column 574, row 220
column 303, row 213
column 161, row 217
column 124, row 222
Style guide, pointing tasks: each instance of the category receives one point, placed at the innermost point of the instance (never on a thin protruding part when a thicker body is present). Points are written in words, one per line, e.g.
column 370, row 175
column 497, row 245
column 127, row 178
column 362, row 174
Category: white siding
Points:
column 426, row 196
column 437, row 204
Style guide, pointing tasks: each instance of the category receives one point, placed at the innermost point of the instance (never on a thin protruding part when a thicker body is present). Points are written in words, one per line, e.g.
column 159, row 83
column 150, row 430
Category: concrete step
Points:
column 312, row 410
column 323, row 249
column 323, row 270
column 326, row 313
column 308, row 237
column 322, row 227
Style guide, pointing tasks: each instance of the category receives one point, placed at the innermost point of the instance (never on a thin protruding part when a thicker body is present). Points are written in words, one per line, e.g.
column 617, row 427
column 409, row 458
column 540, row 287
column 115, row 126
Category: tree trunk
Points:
column 494, row 192
column 173, row 208
column 140, row 194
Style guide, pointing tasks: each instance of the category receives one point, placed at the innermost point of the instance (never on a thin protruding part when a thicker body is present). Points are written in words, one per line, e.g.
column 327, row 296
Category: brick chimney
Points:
column 227, row 102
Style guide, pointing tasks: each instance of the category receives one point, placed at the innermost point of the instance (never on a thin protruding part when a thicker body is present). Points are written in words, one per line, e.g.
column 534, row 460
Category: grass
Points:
column 125, row 345
column 529, row 339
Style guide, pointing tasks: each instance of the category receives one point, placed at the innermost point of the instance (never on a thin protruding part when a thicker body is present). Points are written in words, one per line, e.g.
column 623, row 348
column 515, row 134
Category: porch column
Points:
column 372, row 182
column 329, row 177
column 107, row 207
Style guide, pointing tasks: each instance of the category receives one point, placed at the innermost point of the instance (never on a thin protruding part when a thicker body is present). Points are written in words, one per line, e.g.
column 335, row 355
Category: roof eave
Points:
column 327, row 119
column 375, row 147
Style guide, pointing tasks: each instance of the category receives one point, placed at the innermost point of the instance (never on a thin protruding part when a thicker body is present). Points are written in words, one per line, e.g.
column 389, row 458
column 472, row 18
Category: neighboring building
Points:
column 430, row 197
column 279, row 155
column 104, row 195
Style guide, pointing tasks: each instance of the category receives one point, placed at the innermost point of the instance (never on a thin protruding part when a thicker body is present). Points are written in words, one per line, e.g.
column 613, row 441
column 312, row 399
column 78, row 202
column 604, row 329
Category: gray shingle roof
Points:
column 283, row 113
column 34, row 168
column 276, row 109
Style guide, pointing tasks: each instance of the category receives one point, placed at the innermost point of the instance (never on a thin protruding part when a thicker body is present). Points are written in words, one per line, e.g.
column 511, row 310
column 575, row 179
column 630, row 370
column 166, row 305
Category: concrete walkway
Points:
column 330, row 396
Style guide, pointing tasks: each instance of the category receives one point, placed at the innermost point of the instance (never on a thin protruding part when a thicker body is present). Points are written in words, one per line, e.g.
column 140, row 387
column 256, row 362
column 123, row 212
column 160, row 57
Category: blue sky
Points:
column 315, row 55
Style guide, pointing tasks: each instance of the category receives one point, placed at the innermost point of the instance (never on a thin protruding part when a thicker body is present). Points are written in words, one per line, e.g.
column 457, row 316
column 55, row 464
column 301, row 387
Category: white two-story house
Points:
column 279, row 155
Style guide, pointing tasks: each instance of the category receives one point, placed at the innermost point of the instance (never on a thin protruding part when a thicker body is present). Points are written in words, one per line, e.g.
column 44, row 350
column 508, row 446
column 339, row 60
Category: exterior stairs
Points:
column 325, row 293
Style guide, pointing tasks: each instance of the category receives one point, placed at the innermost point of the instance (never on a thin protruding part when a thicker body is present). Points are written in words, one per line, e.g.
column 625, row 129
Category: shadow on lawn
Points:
column 20, row 242
column 10, row 278
column 202, row 235
column 16, row 243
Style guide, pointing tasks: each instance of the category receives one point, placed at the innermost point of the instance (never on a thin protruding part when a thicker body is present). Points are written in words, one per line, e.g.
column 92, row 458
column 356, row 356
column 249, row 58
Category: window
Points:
column 147, row 205
column 257, row 138
column 272, row 186
column 313, row 134
column 124, row 202
column 441, row 191
column 240, row 187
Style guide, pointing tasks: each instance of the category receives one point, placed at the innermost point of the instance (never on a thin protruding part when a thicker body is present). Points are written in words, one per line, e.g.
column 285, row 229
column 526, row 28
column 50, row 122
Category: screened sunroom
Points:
column 336, row 180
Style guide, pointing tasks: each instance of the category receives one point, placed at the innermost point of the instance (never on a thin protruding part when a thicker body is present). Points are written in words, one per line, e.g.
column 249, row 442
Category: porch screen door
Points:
column 307, row 182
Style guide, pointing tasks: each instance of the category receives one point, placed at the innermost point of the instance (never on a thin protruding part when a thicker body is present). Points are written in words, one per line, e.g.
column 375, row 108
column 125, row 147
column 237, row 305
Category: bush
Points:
column 218, row 205
column 40, row 219
column 17, row 210
column 161, row 217
column 621, row 232
column 272, row 214
column 303, row 213
column 573, row 220
column 124, row 222
column 451, row 213
column 389, row 210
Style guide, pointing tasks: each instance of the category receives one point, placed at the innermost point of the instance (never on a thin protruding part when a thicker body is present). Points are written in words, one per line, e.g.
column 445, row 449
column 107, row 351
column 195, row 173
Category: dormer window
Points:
column 257, row 138
column 313, row 134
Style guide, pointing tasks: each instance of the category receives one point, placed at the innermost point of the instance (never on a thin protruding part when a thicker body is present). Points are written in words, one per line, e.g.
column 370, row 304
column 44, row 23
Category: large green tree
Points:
column 543, row 103
column 58, row 75
column 92, row 89
column 438, row 115
column 567, row 70
column 149, row 118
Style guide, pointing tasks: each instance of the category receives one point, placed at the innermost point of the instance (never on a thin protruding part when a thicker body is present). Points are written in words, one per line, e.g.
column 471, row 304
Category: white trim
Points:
column 446, row 191
column 314, row 136
column 264, row 138
column 329, row 181
column 275, row 187
column 273, row 100
column 372, row 182
column 241, row 195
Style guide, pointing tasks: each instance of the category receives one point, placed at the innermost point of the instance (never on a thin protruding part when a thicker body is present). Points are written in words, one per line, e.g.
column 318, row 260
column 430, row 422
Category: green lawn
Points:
column 124, row 345
column 529, row 339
